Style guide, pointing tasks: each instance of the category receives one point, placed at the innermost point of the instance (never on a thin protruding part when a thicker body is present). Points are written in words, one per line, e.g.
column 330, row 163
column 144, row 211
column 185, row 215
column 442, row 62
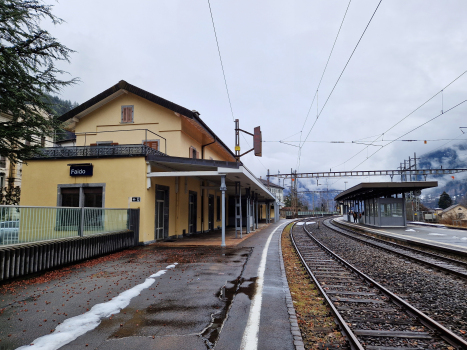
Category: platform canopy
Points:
column 209, row 171
column 367, row 190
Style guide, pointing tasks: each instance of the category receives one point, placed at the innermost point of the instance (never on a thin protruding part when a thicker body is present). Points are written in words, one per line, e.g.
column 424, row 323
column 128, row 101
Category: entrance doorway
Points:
column 192, row 211
column 162, row 213
column 211, row 212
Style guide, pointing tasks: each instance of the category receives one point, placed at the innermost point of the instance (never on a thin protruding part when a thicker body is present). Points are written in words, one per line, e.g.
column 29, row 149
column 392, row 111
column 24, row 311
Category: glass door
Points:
column 161, row 205
column 211, row 212
column 192, row 212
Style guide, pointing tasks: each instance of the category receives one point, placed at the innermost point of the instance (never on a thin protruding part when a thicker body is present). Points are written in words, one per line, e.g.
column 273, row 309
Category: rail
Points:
column 446, row 334
column 352, row 339
column 95, row 152
column 24, row 224
column 456, row 267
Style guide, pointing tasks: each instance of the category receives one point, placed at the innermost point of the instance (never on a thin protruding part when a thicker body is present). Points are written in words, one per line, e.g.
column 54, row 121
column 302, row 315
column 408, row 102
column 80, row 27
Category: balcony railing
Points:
column 96, row 152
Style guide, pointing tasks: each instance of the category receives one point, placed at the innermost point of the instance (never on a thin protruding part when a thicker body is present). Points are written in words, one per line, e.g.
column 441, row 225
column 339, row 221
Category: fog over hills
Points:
column 453, row 157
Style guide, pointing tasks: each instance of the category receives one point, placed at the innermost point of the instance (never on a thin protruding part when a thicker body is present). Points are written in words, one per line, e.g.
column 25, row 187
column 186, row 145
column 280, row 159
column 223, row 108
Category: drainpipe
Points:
column 202, row 147
column 202, row 206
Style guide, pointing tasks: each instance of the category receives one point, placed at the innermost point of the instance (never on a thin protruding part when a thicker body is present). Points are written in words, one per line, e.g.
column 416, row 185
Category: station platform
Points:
column 172, row 295
column 212, row 238
column 441, row 236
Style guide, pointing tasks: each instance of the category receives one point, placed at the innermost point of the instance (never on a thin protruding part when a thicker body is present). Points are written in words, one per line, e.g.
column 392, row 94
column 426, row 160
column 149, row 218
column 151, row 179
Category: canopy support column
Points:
column 257, row 210
column 248, row 223
column 223, row 189
column 238, row 209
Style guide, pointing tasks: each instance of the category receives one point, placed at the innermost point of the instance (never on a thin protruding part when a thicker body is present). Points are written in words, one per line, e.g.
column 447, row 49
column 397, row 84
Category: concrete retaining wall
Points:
column 23, row 259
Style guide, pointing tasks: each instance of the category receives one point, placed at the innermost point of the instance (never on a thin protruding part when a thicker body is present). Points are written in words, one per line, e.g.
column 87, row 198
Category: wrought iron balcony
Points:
column 96, row 152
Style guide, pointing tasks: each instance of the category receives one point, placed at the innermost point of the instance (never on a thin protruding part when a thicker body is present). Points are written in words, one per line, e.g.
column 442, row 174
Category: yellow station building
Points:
column 134, row 149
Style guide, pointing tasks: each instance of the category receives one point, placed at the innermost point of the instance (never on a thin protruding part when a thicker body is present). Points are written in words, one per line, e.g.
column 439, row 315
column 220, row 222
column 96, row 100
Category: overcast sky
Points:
column 274, row 53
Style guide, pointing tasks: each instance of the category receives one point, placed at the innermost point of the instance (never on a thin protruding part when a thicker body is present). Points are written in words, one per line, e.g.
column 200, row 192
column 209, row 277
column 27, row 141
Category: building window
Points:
column 2, row 181
column 81, row 195
column 2, row 162
column 72, row 197
column 127, row 114
column 152, row 144
column 193, row 153
column 104, row 143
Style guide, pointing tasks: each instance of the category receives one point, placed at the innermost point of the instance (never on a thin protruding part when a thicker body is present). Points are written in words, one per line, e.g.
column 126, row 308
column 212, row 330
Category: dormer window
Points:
column 127, row 114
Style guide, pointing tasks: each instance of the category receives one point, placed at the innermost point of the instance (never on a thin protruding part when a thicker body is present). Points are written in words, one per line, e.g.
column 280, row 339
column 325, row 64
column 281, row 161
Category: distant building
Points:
column 11, row 173
column 67, row 139
column 455, row 212
column 276, row 190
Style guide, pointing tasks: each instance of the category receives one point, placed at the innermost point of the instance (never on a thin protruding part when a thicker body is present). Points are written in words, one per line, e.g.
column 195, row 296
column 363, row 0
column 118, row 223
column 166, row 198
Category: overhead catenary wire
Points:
column 401, row 120
column 220, row 58
column 444, row 144
column 319, row 84
column 326, row 66
column 223, row 73
column 361, row 142
column 428, row 121
column 343, row 70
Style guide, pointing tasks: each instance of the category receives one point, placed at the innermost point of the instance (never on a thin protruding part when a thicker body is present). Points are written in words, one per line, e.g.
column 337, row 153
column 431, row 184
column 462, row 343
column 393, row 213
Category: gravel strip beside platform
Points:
column 295, row 330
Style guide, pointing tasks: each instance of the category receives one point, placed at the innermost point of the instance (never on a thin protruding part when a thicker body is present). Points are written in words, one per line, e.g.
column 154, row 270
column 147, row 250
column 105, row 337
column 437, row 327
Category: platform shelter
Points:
column 379, row 203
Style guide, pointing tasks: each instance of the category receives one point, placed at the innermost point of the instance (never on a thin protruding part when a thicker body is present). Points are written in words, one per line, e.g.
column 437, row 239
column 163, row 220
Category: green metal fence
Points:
column 22, row 224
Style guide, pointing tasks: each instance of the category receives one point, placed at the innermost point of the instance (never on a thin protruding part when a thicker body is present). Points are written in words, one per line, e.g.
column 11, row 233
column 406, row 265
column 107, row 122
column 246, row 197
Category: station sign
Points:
column 136, row 199
column 81, row 170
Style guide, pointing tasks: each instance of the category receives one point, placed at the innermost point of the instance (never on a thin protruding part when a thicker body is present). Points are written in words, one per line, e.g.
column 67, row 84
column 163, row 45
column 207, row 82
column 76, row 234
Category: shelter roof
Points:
column 366, row 190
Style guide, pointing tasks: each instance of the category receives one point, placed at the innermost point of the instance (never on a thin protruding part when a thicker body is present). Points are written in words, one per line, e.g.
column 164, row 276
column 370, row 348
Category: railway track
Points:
column 370, row 316
column 442, row 263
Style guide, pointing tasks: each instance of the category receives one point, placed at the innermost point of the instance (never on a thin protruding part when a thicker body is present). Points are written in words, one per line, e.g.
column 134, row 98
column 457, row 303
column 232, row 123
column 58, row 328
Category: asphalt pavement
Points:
column 184, row 296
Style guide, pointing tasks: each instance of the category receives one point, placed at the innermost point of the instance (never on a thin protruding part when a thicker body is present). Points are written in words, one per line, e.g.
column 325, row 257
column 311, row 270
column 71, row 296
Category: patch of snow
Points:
column 311, row 222
column 76, row 326
column 300, row 223
column 464, row 238
column 436, row 234
column 410, row 230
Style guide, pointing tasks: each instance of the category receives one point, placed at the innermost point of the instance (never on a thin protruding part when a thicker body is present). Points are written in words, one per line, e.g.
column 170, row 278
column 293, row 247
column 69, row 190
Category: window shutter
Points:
column 127, row 114
column 197, row 155
column 190, row 154
column 152, row 144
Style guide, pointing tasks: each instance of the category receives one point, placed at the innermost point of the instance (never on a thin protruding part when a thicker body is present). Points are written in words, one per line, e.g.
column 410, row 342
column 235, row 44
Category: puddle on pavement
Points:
column 211, row 333
column 143, row 318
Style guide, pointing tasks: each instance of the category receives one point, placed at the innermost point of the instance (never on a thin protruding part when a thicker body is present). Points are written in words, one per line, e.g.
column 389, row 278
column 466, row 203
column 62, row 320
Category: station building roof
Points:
column 367, row 190
column 122, row 87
